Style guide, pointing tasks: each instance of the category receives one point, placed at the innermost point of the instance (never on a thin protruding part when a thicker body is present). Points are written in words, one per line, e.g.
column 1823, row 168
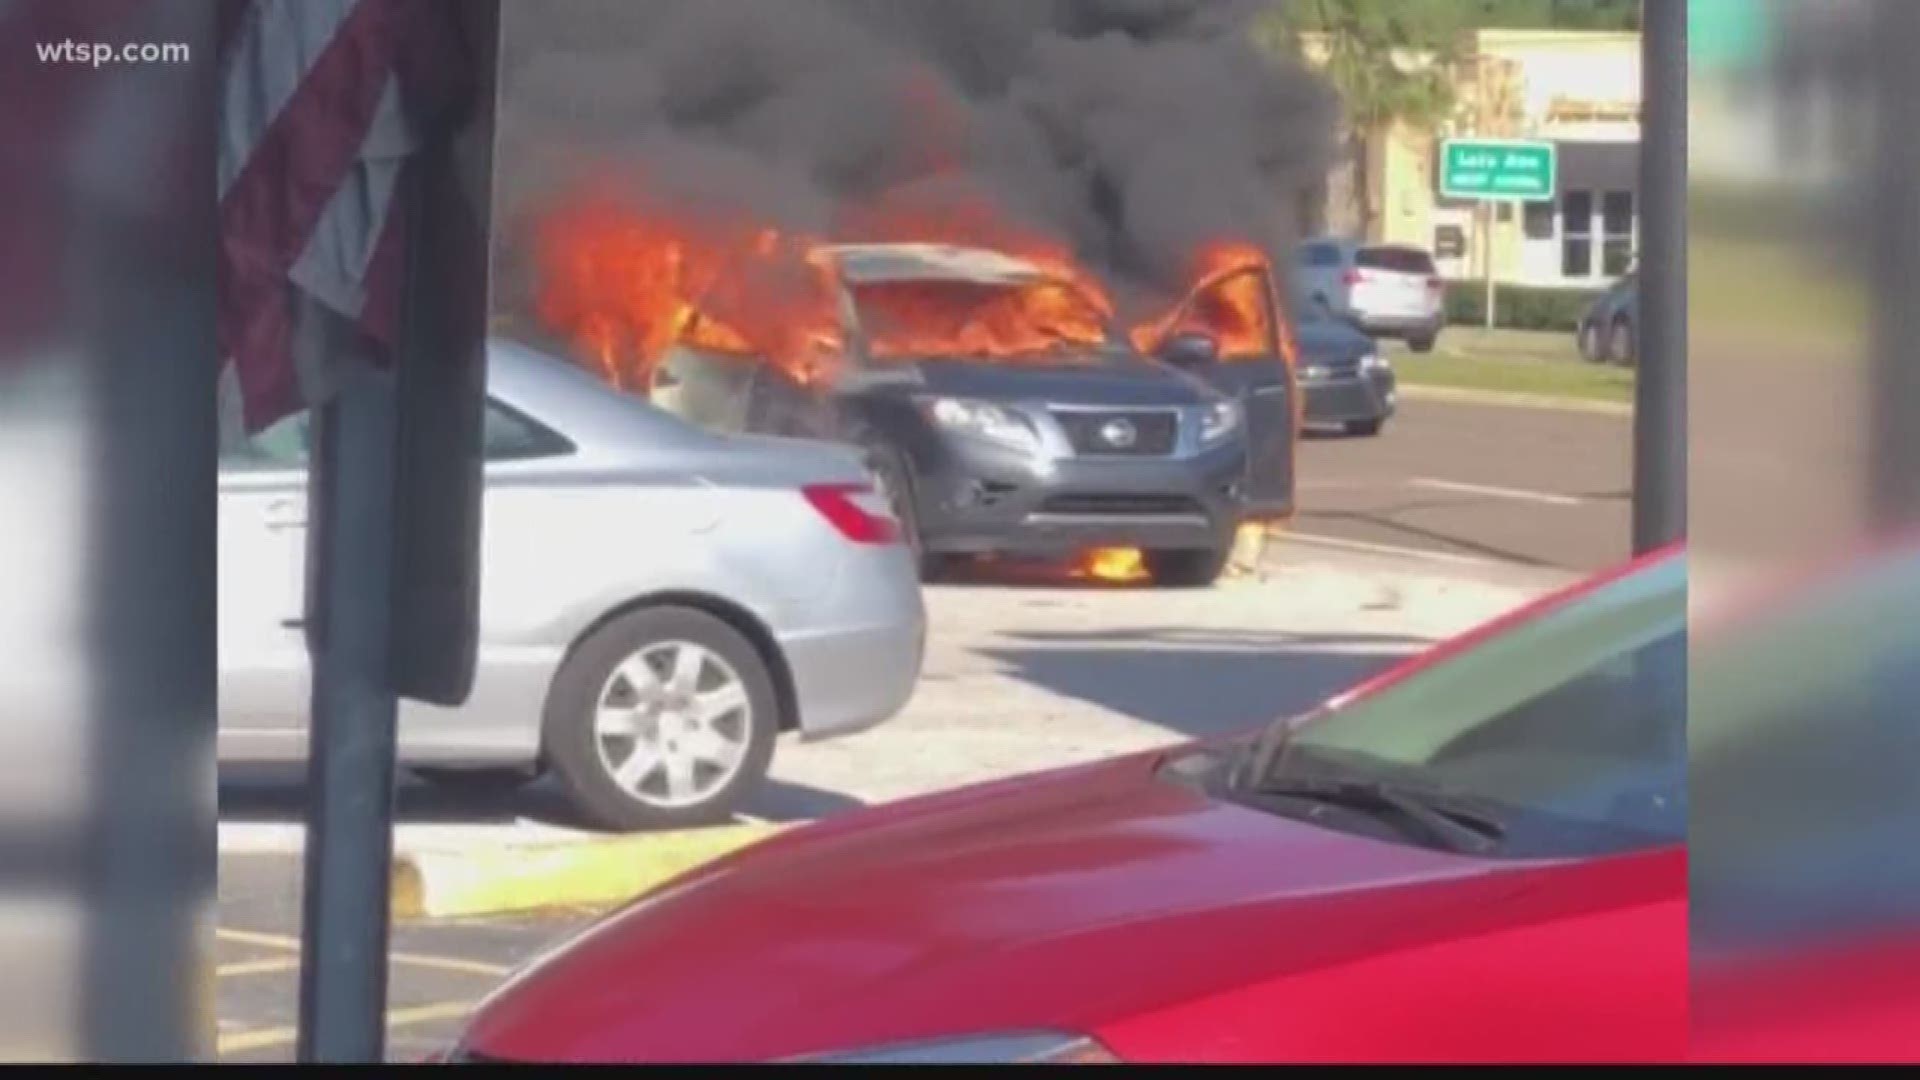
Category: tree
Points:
column 1389, row 60
column 1396, row 61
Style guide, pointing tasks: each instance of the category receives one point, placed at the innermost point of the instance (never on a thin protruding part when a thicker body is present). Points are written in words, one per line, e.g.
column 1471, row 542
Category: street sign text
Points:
column 1497, row 169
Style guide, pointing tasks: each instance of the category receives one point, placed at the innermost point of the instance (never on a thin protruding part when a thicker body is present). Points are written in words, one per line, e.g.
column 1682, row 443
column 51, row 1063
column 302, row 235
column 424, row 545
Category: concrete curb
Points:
column 1417, row 392
column 598, row 871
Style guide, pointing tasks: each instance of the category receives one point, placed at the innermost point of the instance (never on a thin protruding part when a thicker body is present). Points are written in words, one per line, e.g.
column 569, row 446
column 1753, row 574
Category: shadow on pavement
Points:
column 277, row 793
column 1202, row 683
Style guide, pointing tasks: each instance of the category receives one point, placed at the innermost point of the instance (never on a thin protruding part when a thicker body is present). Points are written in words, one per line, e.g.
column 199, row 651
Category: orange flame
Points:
column 627, row 286
column 920, row 318
column 627, row 282
column 1233, row 300
column 1118, row 565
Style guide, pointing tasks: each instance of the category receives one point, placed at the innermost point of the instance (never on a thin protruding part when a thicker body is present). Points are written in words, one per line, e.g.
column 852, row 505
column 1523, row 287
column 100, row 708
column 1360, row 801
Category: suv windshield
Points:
column 1045, row 317
column 1572, row 725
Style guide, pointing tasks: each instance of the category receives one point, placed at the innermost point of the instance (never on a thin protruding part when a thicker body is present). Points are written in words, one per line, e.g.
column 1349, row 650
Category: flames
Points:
column 1231, row 299
column 921, row 318
column 626, row 282
column 626, row 286
column 1115, row 565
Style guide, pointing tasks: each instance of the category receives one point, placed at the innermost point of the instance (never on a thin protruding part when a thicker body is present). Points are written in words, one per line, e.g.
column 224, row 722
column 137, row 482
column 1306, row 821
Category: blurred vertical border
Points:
column 107, row 527
column 1804, row 713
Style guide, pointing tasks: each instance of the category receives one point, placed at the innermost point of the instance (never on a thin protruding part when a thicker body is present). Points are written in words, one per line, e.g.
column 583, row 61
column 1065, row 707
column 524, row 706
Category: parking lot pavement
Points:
column 437, row 970
column 1016, row 680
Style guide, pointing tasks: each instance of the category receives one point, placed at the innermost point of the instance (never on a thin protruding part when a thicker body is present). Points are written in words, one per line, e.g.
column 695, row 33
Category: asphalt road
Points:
column 1539, row 487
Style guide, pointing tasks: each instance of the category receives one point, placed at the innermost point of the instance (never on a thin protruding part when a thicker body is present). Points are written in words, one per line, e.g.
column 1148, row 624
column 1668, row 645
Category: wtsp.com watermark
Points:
column 100, row 53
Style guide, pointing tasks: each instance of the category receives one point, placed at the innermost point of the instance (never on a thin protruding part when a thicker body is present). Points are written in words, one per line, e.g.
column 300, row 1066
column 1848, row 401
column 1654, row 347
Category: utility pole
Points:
column 1660, row 393
column 1484, row 126
column 1893, row 451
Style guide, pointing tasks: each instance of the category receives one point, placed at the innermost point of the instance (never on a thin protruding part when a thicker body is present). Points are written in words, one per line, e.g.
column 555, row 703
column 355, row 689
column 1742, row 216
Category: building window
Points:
column 1537, row 221
column 1616, row 222
column 1576, row 234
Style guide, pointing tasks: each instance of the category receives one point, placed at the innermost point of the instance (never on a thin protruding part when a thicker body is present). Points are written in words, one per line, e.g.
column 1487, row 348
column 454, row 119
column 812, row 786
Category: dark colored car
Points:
column 1345, row 380
column 1606, row 332
column 1478, row 856
column 1079, row 442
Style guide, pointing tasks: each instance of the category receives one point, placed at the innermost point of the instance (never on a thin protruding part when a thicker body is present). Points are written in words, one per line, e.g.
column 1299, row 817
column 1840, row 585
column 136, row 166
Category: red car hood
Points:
column 1057, row 902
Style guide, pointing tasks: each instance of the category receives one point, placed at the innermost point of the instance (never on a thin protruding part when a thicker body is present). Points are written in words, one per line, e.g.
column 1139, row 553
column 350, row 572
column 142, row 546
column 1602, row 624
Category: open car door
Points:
column 1252, row 358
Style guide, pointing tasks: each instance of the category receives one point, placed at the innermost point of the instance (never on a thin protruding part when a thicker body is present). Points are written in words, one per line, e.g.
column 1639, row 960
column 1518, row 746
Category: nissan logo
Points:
column 1119, row 434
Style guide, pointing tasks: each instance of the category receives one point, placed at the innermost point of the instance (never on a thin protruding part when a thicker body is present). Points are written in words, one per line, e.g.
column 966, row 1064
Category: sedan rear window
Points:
column 1400, row 259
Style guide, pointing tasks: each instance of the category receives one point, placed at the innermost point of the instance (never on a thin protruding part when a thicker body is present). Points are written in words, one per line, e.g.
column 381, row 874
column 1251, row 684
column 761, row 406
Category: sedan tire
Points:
column 1364, row 428
column 664, row 718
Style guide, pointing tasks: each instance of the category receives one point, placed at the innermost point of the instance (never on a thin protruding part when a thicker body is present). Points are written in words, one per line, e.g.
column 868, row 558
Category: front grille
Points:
column 1120, row 505
column 1120, row 432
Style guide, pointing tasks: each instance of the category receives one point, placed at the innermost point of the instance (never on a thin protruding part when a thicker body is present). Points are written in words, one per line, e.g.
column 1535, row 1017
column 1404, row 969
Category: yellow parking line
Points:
column 594, row 872
column 257, row 967
column 278, row 941
column 241, row 1042
column 448, row 963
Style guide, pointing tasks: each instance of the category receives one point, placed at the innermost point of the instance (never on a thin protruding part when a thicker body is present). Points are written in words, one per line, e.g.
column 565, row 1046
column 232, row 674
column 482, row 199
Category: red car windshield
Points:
column 1577, row 712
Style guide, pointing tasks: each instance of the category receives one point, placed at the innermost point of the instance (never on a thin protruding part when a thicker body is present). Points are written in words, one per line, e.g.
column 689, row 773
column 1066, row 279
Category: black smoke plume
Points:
column 1132, row 130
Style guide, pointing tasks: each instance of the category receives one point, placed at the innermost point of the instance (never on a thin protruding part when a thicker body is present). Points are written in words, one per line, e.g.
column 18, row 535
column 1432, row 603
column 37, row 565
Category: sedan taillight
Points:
column 856, row 511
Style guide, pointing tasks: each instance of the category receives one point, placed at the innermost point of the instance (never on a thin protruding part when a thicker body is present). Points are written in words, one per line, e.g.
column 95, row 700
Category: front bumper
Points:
column 976, row 497
column 1370, row 396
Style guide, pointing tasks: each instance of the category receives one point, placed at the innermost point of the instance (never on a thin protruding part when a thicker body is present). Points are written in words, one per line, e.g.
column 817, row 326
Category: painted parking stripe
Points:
column 280, row 941
column 1517, row 494
column 241, row 1042
column 257, row 967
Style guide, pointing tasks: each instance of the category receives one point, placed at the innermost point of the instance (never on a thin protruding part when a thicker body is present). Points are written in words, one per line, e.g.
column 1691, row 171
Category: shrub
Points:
column 1518, row 307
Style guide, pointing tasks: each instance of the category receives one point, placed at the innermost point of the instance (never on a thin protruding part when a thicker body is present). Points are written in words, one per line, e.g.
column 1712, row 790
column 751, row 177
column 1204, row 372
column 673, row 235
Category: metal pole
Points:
column 1486, row 217
column 350, row 772
column 1660, row 393
column 1893, row 450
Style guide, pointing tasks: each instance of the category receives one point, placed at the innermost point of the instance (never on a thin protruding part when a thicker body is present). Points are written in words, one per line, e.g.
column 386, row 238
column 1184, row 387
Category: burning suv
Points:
column 1002, row 411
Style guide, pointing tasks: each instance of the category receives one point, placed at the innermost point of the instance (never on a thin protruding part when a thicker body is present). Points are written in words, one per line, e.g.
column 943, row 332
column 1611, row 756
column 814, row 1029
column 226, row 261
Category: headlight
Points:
column 982, row 419
column 1374, row 362
column 1221, row 419
column 1028, row 1047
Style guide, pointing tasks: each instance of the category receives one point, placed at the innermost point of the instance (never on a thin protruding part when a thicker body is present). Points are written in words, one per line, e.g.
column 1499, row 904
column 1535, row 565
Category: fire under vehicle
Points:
column 1002, row 411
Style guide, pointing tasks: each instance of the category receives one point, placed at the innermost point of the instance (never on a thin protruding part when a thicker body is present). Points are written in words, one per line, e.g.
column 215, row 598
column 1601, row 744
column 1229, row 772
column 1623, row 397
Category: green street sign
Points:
column 1516, row 169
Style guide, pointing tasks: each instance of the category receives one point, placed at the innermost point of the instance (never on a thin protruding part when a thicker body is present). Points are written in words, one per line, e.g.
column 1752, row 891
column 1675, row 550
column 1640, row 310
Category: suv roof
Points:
column 861, row 263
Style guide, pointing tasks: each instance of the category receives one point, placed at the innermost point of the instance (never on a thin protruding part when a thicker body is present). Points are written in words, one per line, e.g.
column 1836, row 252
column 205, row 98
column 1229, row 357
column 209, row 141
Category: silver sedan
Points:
column 658, row 602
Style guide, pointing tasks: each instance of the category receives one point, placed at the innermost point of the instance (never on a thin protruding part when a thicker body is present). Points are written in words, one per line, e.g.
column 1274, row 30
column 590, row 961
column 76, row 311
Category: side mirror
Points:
column 1190, row 349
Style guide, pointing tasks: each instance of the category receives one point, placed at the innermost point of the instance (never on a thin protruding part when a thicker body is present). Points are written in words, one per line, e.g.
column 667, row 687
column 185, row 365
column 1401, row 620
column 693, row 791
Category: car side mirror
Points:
column 1191, row 349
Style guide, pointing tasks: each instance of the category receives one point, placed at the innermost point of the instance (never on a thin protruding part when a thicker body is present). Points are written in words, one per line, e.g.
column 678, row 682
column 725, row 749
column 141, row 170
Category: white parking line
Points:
column 1390, row 549
column 1497, row 492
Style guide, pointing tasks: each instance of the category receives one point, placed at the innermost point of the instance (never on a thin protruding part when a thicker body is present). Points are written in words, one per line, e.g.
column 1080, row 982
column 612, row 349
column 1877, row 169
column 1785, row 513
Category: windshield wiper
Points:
column 1438, row 818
